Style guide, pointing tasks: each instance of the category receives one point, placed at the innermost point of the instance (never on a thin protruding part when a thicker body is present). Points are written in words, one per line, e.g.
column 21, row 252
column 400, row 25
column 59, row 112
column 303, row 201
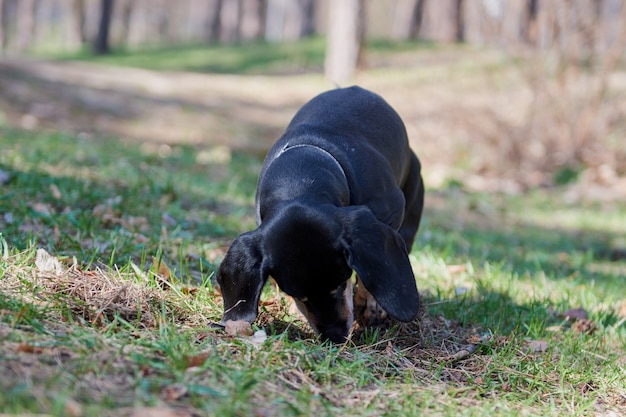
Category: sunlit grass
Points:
column 502, row 266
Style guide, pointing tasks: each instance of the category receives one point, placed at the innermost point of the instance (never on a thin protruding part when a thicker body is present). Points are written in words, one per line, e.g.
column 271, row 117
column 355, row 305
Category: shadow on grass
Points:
column 109, row 201
column 128, row 103
column 559, row 267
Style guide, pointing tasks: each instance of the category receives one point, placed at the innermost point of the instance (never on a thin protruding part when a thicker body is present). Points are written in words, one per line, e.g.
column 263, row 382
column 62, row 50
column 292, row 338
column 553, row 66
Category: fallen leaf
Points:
column 461, row 290
column 8, row 218
column 72, row 408
column 174, row 392
column 502, row 341
column 554, row 329
column 42, row 209
column 4, row 177
column 48, row 263
column 457, row 269
column 238, row 328
column 28, row 348
column 575, row 314
column 259, row 337
column 584, row 326
column 536, row 346
column 56, row 193
column 197, row 360
column 159, row 412
column 162, row 271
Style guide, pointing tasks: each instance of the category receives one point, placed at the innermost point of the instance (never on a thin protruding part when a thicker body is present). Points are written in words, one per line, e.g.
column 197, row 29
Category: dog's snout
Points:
column 336, row 334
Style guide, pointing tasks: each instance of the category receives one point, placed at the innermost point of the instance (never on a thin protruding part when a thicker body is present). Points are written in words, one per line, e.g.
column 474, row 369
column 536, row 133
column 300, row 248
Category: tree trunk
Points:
column 230, row 21
column 26, row 23
column 101, row 44
column 442, row 20
column 76, row 24
column 407, row 16
column 127, row 13
column 213, row 21
column 275, row 23
column 308, row 18
column 299, row 19
column 3, row 25
column 346, row 29
column 253, row 19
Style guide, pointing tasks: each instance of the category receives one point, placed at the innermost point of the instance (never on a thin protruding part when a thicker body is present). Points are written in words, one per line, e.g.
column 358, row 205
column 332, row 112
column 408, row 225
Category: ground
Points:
column 122, row 187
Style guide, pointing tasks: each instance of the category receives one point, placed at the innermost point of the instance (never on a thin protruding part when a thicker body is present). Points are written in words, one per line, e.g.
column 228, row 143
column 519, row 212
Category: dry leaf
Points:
column 238, row 328
column 72, row 408
column 259, row 337
column 28, row 348
column 48, row 263
column 8, row 218
column 536, row 346
column 42, row 209
column 197, row 360
column 575, row 314
column 162, row 270
column 159, row 412
column 554, row 329
column 56, row 193
column 173, row 392
column 457, row 269
column 4, row 177
column 584, row 326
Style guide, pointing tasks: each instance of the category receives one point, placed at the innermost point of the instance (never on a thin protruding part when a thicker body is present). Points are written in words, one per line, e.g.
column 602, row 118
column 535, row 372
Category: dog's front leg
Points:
column 367, row 311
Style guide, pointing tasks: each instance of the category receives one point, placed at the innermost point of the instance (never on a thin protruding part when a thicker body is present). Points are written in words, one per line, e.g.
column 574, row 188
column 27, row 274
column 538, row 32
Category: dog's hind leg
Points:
column 414, row 196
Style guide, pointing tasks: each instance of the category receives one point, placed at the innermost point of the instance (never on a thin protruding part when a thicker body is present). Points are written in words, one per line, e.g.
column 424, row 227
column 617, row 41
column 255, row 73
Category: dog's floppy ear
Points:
column 241, row 278
column 379, row 256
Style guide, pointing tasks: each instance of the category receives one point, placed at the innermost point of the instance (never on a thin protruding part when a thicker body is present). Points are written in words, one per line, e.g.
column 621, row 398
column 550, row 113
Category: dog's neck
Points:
column 318, row 149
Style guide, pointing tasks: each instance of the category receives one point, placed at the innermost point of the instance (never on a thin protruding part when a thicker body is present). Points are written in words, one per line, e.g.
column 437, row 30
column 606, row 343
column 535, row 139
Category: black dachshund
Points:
column 340, row 191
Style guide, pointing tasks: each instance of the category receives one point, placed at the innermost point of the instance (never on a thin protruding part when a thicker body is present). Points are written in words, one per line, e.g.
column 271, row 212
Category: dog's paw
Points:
column 367, row 311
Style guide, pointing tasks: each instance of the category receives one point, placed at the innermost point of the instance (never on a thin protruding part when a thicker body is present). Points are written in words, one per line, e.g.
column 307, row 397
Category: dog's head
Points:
column 311, row 255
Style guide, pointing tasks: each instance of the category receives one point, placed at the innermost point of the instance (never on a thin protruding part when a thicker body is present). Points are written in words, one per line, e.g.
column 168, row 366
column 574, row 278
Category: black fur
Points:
column 340, row 191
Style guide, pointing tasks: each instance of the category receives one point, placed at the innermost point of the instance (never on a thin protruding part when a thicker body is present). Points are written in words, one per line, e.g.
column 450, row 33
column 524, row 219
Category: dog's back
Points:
column 340, row 191
column 367, row 139
column 351, row 118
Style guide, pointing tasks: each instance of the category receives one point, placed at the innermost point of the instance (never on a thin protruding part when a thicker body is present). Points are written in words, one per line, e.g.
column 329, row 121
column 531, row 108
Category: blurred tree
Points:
column 442, row 20
column 299, row 20
column 289, row 20
column 3, row 25
column 253, row 18
column 163, row 16
column 213, row 27
column 75, row 10
column 101, row 44
column 406, row 19
column 26, row 23
column 230, row 21
column 127, row 12
column 346, row 30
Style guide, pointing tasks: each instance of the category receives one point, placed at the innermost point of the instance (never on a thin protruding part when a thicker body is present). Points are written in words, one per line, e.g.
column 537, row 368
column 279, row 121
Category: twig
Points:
column 466, row 350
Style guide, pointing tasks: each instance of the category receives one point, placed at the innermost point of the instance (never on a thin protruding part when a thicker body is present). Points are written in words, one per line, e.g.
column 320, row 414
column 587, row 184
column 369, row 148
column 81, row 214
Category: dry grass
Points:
column 436, row 356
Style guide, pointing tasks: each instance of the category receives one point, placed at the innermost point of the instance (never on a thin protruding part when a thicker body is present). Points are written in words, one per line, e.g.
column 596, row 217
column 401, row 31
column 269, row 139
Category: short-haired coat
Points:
column 340, row 191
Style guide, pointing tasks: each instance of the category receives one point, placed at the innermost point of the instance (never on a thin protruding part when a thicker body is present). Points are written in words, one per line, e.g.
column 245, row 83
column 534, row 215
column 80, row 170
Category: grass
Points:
column 120, row 335
column 304, row 55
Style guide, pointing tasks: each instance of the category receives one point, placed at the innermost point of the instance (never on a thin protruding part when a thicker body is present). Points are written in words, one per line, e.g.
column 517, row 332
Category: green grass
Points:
column 500, row 265
column 247, row 58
